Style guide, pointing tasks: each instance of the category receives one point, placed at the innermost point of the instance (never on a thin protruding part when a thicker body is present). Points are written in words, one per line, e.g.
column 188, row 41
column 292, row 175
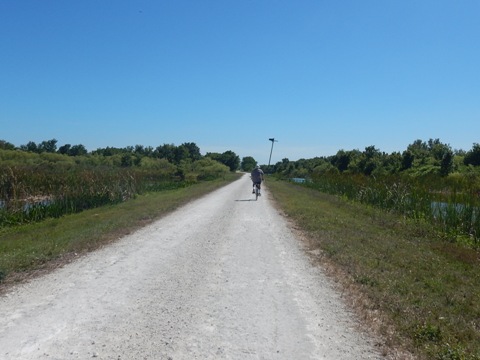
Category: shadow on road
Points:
column 247, row 200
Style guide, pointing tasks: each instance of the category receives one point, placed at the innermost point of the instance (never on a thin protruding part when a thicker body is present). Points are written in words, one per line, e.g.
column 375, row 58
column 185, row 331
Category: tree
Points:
column 5, row 145
column 228, row 158
column 49, row 146
column 248, row 163
column 126, row 160
column 214, row 155
column 139, row 149
column 193, row 151
column 281, row 166
column 64, row 149
column 30, row 147
column 231, row 159
column 472, row 157
column 356, row 157
column 370, row 161
column 391, row 164
column 419, row 149
column 77, row 150
column 341, row 160
column 165, row 151
column 446, row 164
column 459, row 152
column 181, row 153
column 407, row 159
column 148, row 151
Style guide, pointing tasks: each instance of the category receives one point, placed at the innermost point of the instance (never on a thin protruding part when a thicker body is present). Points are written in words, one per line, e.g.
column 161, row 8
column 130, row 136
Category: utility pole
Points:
column 271, row 150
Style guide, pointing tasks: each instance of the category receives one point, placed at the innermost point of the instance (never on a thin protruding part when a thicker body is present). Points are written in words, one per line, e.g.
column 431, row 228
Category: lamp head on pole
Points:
column 270, row 158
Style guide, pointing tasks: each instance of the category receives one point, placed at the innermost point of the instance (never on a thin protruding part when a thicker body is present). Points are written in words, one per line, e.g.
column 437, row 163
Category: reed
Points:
column 33, row 193
column 451, row 203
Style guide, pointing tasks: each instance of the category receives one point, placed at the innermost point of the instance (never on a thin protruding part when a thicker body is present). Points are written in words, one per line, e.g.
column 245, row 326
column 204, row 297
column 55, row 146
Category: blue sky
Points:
column 317, row 75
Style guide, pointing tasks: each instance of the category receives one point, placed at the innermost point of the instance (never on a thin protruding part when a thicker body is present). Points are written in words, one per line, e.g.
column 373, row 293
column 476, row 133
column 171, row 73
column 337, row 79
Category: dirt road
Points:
column 221, row 278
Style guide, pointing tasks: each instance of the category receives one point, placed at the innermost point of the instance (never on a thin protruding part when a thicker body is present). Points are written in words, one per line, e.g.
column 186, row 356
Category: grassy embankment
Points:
column 31, row 248
column 420, row 292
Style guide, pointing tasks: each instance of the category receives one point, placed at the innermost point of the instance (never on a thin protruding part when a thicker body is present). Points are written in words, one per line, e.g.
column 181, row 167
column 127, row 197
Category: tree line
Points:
column 137, row 155
column 430, row 157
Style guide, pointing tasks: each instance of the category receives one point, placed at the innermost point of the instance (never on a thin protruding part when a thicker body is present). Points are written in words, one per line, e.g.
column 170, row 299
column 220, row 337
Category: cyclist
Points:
column 257, row 176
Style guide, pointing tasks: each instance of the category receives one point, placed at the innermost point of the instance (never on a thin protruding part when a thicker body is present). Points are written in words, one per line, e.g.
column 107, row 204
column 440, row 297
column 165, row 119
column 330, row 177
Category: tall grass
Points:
column 33, row 193
column 451, row 203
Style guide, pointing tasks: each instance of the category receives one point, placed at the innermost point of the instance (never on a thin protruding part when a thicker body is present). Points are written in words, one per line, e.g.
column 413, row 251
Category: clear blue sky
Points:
column 317, row 75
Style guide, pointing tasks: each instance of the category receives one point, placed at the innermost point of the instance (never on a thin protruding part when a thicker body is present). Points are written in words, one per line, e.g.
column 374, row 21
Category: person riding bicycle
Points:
column 257, row 176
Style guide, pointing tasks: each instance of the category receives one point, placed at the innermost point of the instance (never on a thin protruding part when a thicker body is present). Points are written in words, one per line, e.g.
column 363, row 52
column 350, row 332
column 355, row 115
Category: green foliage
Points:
column 427, row 333
column 228, row 158
column 248, row 163
column 75, row 150
column 300, row 168
column 109, row 151
column 30, row 147
column 5, row 145
column 341, row 160
column 35, row 193
column 421, row 158
column 325, row 168
column 36, row 182
column 446, row 165
column 452, row 202
column 427, row 181
column 177, row 154
column 163, row 166
column 126, row 160
column 49, row 146
column 193, row 151
column 472, row 157
column 407, row 160
column 204, row 169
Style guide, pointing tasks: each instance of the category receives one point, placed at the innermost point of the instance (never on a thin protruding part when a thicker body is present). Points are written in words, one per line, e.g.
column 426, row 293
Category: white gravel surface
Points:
column 221, row 278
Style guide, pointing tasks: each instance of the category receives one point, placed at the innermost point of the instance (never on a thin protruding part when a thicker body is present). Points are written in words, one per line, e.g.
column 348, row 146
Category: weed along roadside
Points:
column 420, row 292
column 31, row 249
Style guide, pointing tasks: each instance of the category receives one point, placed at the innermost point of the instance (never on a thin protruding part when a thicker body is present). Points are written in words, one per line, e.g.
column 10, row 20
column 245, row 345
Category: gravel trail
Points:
column 221, row 278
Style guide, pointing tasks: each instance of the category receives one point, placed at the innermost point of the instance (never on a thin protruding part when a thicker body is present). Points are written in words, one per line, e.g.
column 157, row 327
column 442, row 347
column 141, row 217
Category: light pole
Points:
column 271, row 150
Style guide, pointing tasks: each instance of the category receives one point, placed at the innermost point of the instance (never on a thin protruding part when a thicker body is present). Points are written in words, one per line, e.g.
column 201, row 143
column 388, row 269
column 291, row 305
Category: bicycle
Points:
column 257, row 190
